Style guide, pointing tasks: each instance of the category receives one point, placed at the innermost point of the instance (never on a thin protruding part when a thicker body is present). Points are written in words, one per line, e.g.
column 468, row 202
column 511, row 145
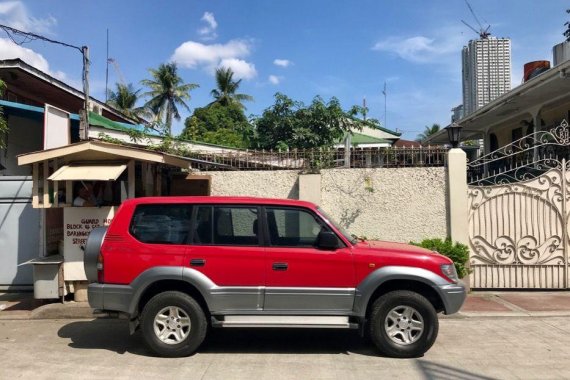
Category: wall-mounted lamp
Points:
column 454, row 134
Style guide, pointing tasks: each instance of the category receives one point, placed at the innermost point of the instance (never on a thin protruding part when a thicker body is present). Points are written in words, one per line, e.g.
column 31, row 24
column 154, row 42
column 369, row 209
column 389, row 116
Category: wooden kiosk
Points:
column 121, row 172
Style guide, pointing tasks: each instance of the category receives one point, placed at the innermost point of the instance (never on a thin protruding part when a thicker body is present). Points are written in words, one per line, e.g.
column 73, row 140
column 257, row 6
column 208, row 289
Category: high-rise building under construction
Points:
column 486, row 71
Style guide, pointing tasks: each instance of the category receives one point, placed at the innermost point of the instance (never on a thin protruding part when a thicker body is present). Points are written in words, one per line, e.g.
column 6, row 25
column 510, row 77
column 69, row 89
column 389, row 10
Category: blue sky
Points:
column 302, row 48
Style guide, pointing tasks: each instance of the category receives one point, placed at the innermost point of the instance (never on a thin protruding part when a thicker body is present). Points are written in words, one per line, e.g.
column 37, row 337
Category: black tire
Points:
column 173, row 345
column 399, row 302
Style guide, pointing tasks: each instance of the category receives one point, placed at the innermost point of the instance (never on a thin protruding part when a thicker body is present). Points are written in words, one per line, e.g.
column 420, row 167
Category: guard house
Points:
column 111, row 173
column 45, row 165
column 41, row 112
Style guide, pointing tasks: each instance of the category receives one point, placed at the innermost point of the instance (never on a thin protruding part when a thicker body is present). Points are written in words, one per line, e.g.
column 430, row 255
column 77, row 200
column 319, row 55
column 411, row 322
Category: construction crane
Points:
column 482, row 32
column 118, row 72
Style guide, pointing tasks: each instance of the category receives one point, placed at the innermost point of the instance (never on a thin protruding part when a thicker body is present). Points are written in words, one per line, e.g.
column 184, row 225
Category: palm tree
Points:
column 124, row 100
column 428, row 131
column 225, row 94
column 167, row 92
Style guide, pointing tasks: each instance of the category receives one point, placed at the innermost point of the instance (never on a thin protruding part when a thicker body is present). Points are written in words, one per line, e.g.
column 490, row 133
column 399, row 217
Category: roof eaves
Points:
column 388, row 131
column 359, row 138
column 517, row 91
column 532, row 83
column 19, row 63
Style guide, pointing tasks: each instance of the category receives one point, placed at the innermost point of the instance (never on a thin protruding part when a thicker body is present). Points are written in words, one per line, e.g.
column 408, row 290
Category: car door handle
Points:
column 280, row 266
column 197, row 262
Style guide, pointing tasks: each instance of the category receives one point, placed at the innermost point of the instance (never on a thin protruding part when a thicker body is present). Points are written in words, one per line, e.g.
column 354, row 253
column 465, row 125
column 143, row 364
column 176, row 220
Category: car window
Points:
column 161, row 224
column 293, row 227
column 223, row 225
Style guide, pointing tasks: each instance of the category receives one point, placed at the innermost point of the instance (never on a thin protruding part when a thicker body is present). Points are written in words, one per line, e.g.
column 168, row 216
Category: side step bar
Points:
column 292, row 321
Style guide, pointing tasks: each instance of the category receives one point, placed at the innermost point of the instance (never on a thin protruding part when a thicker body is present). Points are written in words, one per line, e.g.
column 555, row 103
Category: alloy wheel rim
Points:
column 404, row 325
column 172, row 325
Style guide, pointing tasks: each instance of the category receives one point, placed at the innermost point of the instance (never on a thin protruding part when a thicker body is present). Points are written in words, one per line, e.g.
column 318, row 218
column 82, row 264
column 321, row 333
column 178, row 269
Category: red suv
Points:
column 177, row 265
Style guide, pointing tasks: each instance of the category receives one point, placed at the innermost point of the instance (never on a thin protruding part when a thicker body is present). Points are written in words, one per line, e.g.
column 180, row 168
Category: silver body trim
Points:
column 274, row 301
column 295, row 321
column 309, row 300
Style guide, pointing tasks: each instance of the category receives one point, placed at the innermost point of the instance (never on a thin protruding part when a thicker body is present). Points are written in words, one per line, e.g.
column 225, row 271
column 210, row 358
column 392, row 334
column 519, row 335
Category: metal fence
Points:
column 315, row 159
column 523, row 159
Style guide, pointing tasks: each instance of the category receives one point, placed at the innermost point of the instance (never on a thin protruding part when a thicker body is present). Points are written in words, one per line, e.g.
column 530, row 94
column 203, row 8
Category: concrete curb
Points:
column 10, row 309
column 69, row 310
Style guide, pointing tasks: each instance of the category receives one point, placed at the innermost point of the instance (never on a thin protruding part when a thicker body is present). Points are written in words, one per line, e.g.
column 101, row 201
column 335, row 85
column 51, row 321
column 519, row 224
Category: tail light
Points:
column 100, row 272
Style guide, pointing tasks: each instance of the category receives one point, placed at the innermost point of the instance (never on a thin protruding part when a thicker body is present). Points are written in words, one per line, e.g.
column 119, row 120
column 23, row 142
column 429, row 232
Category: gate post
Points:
column 457, row 195
column 458, row 213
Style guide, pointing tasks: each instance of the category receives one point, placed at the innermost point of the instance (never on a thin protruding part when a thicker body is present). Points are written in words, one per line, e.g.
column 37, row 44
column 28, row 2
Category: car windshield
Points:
column 352, row 238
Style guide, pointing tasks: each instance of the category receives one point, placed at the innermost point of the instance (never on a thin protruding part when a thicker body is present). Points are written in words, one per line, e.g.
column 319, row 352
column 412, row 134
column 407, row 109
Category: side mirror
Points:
column 327, row 240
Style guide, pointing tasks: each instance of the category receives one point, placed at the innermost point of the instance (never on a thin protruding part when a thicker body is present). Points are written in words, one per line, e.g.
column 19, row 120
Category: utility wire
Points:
column 29, row 37
column 26, row 37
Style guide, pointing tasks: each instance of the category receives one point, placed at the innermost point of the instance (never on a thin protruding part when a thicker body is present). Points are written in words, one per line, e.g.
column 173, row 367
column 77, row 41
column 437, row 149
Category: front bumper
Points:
column 110, row 297
column 453, row 296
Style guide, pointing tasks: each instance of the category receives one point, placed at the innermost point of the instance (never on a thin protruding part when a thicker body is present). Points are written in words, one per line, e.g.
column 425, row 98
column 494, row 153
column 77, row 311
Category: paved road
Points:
column 475, row 348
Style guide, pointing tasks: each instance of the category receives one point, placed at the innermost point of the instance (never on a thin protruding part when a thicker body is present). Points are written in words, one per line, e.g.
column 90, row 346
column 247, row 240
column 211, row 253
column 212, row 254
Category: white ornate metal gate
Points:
column 519, row 210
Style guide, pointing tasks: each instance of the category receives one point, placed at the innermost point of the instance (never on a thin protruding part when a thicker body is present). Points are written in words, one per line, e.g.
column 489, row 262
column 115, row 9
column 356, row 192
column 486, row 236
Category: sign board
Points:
column 77, row 223
column 57, row 127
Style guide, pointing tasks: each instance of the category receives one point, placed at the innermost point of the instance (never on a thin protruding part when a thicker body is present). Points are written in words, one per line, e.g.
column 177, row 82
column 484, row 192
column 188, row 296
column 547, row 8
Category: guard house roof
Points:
column 96, row 151
column 547, row 89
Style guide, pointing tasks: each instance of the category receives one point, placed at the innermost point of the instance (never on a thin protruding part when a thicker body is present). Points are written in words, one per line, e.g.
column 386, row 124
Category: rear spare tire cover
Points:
column 92, row 249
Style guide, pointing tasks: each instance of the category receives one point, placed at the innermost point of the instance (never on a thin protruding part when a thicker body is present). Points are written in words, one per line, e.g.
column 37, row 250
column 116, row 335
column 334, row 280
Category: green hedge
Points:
column 458, row 253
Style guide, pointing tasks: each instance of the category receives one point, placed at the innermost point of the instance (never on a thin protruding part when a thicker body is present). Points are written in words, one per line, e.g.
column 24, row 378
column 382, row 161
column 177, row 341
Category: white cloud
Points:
column 208, row 17
column 241, row 68
column 193, row 55
column 9, row 50
column 15, row 14
column 274, row 79
column 208, row 32
column 282, row 62
column 422, row 49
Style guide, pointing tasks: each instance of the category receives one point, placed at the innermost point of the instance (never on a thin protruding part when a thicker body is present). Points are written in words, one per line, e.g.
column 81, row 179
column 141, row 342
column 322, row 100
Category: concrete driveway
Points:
column 470, row 348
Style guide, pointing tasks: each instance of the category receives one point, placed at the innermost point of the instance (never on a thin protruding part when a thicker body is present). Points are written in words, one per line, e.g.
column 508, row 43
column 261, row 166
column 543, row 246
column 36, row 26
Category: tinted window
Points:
column 162, row 224
column 222, row 225
column 293, row 227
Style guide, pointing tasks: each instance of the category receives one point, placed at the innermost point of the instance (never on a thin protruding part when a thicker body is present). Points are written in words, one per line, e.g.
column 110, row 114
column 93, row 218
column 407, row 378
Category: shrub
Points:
column 458, row 253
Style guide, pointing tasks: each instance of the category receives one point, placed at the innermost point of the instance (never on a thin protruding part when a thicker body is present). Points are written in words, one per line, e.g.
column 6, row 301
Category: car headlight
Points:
column 449, row 271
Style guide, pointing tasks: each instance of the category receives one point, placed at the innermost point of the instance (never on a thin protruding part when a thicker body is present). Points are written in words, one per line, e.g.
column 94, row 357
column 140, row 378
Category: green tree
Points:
column 225, row 93
column 218, row 124
column 124, row 99
column 291, row 124
column 167, row 92
column 428, row 131
column 3, row 123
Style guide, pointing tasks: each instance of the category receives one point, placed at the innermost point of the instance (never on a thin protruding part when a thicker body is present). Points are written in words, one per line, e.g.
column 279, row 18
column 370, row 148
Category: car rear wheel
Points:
column 173, row 324
column 403, row 324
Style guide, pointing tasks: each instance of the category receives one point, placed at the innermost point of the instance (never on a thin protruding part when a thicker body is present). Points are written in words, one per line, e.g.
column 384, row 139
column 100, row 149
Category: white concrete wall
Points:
column 267, row 184
column 397, row 204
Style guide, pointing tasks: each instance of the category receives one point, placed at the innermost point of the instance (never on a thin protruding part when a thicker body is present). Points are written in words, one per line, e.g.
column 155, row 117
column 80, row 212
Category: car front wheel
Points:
column 403, row 324
column 173, row 324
